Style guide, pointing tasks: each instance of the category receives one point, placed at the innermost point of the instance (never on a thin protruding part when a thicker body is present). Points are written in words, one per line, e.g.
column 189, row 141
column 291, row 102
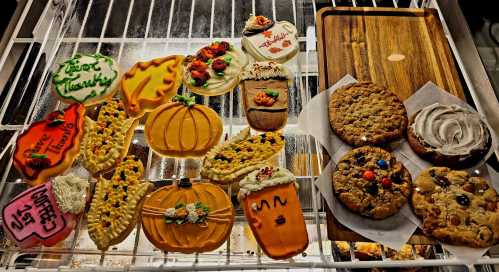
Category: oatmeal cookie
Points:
column 366, row 114
column 456, row 208
column 369, row 181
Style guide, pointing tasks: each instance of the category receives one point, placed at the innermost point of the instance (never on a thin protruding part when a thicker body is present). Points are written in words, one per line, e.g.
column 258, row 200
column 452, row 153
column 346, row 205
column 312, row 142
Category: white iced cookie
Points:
column 266, row 40
column 70, row 193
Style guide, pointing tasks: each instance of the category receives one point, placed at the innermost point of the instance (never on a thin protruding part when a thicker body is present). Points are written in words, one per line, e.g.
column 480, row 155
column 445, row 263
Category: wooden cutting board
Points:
column 398, row 48
column 401, row 49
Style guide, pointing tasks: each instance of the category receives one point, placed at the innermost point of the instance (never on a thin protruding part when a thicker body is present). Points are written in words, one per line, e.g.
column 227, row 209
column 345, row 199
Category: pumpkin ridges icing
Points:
column 177, row 130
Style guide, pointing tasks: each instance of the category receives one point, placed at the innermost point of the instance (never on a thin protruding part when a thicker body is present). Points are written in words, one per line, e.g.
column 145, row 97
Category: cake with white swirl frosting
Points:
column 449, row 135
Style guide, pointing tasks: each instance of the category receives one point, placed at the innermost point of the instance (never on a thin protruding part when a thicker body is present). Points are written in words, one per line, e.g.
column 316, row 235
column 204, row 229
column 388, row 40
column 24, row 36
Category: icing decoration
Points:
column 277, row 42
column 106, row 140
column 148, row 85
column 270, row 202
column 34, row 217
column 451, row 129
column 115, row 204
column 257, row 24
column 183, row 128
column 201, row 225
column 265, row 95
column 86, row 79
column 240, row 155
column 215, row 69
column 70, row 193
column 187, row 213
column 46, row 149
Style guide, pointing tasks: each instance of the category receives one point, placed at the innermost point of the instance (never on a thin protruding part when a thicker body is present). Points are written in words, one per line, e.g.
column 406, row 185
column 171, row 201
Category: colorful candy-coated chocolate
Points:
column 386, row 182
column 34, row 217
column 368, row 175
column 382, row 164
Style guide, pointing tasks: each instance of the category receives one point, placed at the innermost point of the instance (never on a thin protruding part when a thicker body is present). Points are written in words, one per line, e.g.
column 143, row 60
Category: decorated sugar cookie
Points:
column 106, row 140
column 45, row 214
column 48, row 147
column 183, row 128
column 188, row 217
column 266, row 40
column 86, row 79
column 230, row 161
column 265, row 95
column 215, row 69
column 149, row 84
column 270, row 202
column 116, row 203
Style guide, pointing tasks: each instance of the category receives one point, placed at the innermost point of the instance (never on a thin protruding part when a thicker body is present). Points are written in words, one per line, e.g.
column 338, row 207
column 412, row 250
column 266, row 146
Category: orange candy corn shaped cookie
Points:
column 48, row 147
column 271, row 205
column 188, row 217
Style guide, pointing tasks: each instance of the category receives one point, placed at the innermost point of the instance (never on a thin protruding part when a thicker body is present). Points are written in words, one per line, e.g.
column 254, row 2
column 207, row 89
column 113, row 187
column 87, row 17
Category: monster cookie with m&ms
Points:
column 188, row 217
column 369, row 181
column 270, row 202
column 116, row 203
column 45, row 214
column 456, row 208
column 106, row 140
column 215, row 69
column 86, row 79
column 48, row 147
column 230, row 161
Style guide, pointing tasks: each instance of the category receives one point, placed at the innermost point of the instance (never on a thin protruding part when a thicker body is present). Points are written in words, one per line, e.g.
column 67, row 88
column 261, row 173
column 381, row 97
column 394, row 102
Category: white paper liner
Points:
column 394, row 231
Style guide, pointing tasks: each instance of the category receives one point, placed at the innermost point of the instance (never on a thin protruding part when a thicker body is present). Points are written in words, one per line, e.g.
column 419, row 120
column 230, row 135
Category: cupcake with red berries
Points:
column 215, row 69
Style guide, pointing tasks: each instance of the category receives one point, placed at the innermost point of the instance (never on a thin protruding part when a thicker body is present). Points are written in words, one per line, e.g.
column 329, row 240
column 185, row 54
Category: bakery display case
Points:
column 43, row 34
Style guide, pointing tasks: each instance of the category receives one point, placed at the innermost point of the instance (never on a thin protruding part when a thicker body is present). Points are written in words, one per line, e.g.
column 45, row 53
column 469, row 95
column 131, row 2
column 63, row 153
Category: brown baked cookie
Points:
column 456, row 208
column 369, row 181
column 366, row 114
column 449, row 135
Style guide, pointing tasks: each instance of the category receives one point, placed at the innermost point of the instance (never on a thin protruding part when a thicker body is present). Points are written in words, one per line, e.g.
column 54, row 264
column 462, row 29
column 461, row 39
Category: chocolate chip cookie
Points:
column 456, row 208
column 367, row 114
column 369, row 181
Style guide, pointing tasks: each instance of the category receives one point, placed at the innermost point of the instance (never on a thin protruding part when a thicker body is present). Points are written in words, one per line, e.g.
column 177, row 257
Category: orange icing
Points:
column 149, row 84
column 59, row 143
column 178, row 130
column 278, row 241
column 188, row 237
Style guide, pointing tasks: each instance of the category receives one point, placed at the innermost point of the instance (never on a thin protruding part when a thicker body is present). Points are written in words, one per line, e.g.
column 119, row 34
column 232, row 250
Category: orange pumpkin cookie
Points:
column 188, row 217
column 116, row 204
column 106, row 140
column 227, row 162
column 50, row 146
column 183, row 129
column 271, row 205
column 149, row 84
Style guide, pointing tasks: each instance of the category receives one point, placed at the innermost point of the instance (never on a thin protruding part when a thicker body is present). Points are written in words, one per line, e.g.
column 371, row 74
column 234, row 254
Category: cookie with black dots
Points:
column 116, row 203
column 106, row 140
column 369, row 181
column 456, row 208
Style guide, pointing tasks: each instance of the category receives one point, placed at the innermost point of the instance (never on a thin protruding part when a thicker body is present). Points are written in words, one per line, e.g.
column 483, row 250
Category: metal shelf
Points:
column 132, row 30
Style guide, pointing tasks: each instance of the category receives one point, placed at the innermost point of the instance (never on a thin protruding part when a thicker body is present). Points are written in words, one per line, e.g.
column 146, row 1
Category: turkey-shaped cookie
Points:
column 149, row 84
column 106, row 140
column 48, row 147
column 116, row 203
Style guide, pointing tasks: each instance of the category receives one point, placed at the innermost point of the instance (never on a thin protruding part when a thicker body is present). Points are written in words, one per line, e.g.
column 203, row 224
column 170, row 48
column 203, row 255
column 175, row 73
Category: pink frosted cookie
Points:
column 47, row 213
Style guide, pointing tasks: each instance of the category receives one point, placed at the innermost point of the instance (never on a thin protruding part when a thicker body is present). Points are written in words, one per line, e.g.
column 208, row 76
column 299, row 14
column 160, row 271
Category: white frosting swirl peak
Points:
column 265, row 70
column 70, row 193
column 451, row 129
column 264, row 177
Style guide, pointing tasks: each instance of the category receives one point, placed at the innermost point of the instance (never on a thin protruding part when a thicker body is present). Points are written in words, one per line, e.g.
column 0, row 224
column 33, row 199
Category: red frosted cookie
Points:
column 45, row 214
column 50, row 146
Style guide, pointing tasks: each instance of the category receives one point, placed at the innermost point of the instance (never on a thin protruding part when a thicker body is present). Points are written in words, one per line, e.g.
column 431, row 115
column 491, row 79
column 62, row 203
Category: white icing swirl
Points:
column 251, row 183
column 451, row 129
column 265, row 70
column 252, row 24
column 70, row 193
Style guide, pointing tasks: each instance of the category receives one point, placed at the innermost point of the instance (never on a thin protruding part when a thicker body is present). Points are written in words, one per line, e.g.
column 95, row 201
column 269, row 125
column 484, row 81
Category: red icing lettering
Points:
column 275, row 39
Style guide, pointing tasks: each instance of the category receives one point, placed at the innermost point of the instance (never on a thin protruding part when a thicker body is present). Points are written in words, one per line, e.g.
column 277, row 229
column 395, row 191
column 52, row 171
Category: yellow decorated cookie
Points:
column 116, row 204
column 149, row 84
column 183, row 128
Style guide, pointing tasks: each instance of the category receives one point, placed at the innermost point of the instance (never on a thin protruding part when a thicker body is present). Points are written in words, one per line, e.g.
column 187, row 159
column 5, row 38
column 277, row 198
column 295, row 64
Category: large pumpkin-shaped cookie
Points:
column 183, row 129
column 188, row 217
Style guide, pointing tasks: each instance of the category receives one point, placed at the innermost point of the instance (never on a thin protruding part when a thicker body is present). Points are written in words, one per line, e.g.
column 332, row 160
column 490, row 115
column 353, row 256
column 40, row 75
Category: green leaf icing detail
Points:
column 193, row 213
column 38, row 156
column 185, row 99
column 271, row 93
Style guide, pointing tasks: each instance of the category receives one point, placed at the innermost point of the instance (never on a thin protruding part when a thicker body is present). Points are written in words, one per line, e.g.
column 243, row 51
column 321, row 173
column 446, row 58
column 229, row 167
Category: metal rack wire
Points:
column 69, row 26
